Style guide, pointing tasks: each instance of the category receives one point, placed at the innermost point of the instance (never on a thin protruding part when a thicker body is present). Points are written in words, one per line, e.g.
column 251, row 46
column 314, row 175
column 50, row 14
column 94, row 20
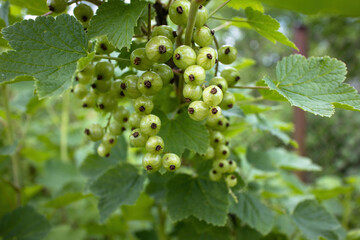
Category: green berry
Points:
column 100, row 86
column 219, row 123
column 221, row 166
column 86, row 75
column 109, row 139
column 83, row 13
column 116, row 90
column 217, row 138
column 138, row 138
column 171, row 162
column 104, row 71
column 159, row 49
column 106, row 103
column 179, row 12
column 165, row 72
column 215, row 175
column 228, row 101
column 150, row 125
column 231, row 180
column 139, row 60
column 206, row 58
column 104, row 150
column 194, row 75
column 184, row 56
column 149, row 83
column 89, row 100
column 210, row 153
column 134, row 120
column 232, row 166
column 231, row 75
column 121, row 114
column 227, row 54
column 143, row 105
column 151, row 162
column 155, row 145
column 80, row 91
column 220, row 82
column 95, row 132
column 222, row 152
column 215, row 111
column 198, row 110
column 203, row 36
column 116, row 128
column 130, row 86
column 56, row 6
column 103, row 46
column 212, row 95
column 201, row 17
column 192, row 92
column 164, row 30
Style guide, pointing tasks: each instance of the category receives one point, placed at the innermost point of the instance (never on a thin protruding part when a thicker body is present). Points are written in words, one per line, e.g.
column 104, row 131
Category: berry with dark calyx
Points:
column 109, row 139
column 138, row 138
column 83, row 13
column 149, row 83
column 143, row 105
column 106, row 103
column 220, row 82
column 80, row 91
column 165, row 72
column 116, row 128
column 227, row 54
column 231, row 180
column 171, row 162
column 89, row 100
column 56, row 6
column 100, row 86
column 104, row 71
column 194, row 75
column 192, row 92
column 228, row 101
column 210, row 153
column 231, row 75
column 215, row 111
column 151, row 162
column 103, row 46
column 95, row 132
column 216, row 138
column 206, row 58
column 184, row 56
column 203, row 36
column 222, row 152
column 116, row 90
column 104, row 150
column 134, row 120
column 232, row 166
column 215, row 175
column 212, row 95
column 121, row 114
column 150, row 125
column 198, row 110
column 159, row 49
column 139, row 60
column 130, row 86
column 155, row 145
column 179, row 12
column 86, row 75
column 221, row 165
column 165, row 31
column 201, row 17
column 218, row 124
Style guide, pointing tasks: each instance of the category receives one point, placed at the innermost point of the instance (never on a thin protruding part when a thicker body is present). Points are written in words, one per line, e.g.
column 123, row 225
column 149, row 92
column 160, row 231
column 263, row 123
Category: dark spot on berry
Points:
column 149, row 167
column 137, row 61
column 177, row 56
column 107, row 155
column 147, row 84
column 214, row 111
column 191, row 110
column 153, row 126
column 220, row 86
column 187, row 100
column 132, row 129
column 216, row 140
column 93, row 85
column 103, row 46
column 212, row 32
column 179, row 9
column 135, row 134
column 125, row 119
column 172, row 80
column 51, row 8
column 123, row 86
column 214, row 171
column 233, row 177
column 99, row 77
column 227, row 50
column 227, row 144
column 111, row 141
column 122, row 94
column 221, row 165
column 237, row 78
column 72, row 90
column 84, row 18
column 174, row 34
column 224, row 152
column 172, row 167
column 209, row 56
column 158, row 148
column 142, row 109
column 191, row 77
column 227, row 124
column 220, row 123
column 213, row 91
column 230, row 105
column 162, row 49
column 101, row 106
column 84, row 105
column 230, row 162
column 76, row 78
column 201, row 6
column 87, row 131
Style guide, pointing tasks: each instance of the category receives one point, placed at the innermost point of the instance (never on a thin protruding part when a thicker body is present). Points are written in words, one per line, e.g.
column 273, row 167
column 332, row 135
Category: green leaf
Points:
column 24, row 223
column 244, row 63
column 254, row 4
column 204, row 199
column 47, row 49
column 120, row 185
column 66, row 199
column 245, row 232
column 84, row 61
column 201, row 230
column 66, row 232
column 264, row 25
column 314, row 84
column 251, row 211
column 34, row 7
column 141, row 211
column 315, row 222
column 183, row 133
column 117, row 20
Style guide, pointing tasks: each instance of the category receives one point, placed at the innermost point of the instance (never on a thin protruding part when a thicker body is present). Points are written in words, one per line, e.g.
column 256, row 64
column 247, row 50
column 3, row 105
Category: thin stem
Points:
column 217, row 60
column 230, row 20
column 218, row 8
column 47, row 14
column 64, row 128
column 96, row 2
column 169, row 4
column 112, row 58
column 194, row 6
column 218, row 28
column 180, row 32
column 161, row 225
column 149, row 22
column 251, row 87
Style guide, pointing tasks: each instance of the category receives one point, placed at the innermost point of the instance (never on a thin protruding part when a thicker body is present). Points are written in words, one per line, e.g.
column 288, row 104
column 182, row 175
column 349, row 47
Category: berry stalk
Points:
column 194, row 6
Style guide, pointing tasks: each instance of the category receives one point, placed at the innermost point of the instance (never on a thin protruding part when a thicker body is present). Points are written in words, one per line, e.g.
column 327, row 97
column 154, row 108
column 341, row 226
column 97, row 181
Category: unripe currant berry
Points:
column 165, row 72
column 104, row 71
column 192, row 92
column 231, row 75
column 198, row 110
column 210, row 153
column 83, row 13
column 184, row 56
column 56, row 6
column 164, row 30
column 159, row 49
column 104, row 150
column 150, row 125
column 155, row 145
column 116, row 128
column 216, row 138
column 215, row 111
column 86, row 75
column 201, row 17
column 232, row 166
column 134, row 120
column 203, row 36
column 228, row 101
column 143, row 105
column 222, row 152
column 231, row 180
column 220, row 82
column 138, row 138
column 218, row 124
column 179, row 12
column 103, row 46
column 194, row 75
column 212, row 95
column 95, row 132
column 221, row 165
column 151, row 162
column 80, row 91
column 215, row 175
column 100, row 86
column 109, row 139
column 121, row 114
column 171, row 162
column 106, row 103
column 149, row 83
column 89, row 100
column 227, row 54
column 116, row 90
column 130, row 86
column 139, row 60
column 206, row 58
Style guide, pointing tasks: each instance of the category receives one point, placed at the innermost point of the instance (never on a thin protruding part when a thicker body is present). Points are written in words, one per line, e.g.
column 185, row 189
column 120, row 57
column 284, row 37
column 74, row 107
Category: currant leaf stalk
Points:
column 218, row 8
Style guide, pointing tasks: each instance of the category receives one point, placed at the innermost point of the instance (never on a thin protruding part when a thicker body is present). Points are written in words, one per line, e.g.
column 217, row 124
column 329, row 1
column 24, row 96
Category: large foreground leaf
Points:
column 47, row 49
column 314, row 84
